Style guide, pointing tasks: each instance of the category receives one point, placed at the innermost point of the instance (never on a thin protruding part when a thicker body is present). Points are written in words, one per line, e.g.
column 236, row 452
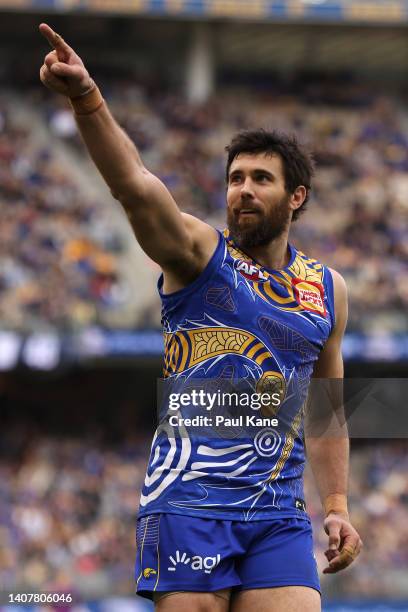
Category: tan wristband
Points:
column 88, row 102
column 336, row 502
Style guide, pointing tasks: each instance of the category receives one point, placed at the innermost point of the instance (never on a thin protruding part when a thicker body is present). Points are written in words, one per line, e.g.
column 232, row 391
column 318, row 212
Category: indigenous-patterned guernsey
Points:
column 240, row 321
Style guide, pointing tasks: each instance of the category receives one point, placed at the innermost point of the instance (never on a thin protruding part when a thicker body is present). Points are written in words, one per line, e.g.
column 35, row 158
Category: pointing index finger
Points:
column 55, row 40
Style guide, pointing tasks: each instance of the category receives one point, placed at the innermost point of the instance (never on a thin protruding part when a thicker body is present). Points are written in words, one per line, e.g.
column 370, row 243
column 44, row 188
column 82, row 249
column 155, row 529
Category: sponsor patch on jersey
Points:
column 309, row 295
column 250, row 271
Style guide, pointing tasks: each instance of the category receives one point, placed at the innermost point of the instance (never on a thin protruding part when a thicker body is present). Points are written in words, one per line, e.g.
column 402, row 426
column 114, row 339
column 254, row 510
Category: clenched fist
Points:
column 344, row 543
column 63, row 70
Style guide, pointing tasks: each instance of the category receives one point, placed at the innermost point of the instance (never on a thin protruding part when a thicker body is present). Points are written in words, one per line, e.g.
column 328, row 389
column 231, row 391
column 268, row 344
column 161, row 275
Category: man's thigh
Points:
column 184, row 601
column 289, row 599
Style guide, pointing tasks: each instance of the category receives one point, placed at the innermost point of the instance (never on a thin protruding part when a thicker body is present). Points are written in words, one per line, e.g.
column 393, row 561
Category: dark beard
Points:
column 262, row 233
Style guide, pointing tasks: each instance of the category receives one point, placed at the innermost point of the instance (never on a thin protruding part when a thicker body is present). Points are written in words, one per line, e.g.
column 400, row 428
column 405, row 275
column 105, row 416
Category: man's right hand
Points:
column 63, row 70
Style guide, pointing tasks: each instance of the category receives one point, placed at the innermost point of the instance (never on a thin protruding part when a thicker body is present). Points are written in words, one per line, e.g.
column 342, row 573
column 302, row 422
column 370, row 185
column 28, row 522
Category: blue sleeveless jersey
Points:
column 240, row 321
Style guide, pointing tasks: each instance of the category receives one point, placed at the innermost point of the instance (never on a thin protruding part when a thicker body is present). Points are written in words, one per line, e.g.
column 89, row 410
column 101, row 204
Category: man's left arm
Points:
column 328, row 455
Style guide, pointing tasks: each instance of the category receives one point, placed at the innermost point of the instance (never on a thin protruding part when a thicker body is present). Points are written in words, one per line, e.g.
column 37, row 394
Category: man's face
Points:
column 258, row 208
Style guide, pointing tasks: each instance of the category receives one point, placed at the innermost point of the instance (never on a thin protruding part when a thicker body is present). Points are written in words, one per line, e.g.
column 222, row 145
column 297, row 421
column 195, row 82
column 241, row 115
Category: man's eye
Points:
column 263, row 177
column 235, row 179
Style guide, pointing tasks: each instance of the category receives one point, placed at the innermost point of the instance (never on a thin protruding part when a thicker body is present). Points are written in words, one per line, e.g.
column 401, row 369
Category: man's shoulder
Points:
column 339, row 283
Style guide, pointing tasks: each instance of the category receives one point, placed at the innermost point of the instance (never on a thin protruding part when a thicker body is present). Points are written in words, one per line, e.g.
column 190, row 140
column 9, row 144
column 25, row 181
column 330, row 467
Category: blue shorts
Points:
column 184, row 553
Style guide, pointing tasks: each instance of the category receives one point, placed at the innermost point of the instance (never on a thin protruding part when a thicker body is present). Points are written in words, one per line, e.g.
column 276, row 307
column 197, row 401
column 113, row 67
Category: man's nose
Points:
column 247, row 187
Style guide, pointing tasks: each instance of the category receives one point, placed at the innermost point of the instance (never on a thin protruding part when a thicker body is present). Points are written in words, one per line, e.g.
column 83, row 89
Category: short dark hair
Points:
column 297, row 161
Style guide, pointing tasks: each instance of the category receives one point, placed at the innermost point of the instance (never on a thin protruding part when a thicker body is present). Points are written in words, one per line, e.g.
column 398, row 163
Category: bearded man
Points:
column 222, row 522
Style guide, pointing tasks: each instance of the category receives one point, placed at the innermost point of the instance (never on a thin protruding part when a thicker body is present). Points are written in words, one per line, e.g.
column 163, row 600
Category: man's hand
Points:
column 63, row 70
column 344, row 542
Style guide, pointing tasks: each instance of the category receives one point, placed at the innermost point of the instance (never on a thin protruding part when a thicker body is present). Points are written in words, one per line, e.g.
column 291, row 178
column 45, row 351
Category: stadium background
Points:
column 80, row 343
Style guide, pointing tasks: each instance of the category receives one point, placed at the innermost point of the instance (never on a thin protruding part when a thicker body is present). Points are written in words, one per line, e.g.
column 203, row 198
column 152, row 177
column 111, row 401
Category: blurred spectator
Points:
column 67, row 514
column 59, row 263
column 379, row 506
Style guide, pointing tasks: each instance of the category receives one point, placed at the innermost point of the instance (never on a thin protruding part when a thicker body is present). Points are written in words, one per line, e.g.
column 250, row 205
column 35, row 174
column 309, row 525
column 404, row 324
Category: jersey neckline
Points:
column 292, row 257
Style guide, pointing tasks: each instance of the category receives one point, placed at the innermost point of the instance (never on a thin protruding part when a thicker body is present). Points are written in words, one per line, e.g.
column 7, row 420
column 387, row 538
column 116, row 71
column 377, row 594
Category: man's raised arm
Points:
column 179, row 243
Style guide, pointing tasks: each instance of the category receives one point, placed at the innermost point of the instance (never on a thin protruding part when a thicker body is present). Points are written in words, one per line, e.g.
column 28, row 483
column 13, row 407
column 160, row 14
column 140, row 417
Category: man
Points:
column 223, row 524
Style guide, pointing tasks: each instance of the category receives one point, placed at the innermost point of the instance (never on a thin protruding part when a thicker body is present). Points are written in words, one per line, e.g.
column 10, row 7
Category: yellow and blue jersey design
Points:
column 239, row 321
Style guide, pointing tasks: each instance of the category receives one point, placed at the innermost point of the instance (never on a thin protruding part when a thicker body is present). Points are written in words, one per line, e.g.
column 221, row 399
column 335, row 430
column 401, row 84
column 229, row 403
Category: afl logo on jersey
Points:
column 250, row 271
column 309, row 295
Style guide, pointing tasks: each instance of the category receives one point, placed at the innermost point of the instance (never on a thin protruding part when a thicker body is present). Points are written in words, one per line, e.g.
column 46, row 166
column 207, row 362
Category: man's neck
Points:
column 275, row 255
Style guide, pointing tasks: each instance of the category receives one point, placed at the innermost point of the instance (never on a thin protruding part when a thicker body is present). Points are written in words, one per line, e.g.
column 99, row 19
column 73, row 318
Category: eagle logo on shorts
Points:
column 149, row 571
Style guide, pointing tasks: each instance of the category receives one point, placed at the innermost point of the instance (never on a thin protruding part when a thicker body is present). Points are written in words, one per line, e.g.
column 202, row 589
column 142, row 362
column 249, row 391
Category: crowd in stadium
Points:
column 59, row 260
column 67, row 513
column 59, row 256
column 68, row 510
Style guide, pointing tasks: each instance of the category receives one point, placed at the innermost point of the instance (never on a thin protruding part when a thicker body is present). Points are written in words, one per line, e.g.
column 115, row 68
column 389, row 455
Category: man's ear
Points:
column 298, row 197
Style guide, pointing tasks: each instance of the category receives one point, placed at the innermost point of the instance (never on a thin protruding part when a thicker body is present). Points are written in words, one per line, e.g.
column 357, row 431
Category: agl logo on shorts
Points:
column 196, row 563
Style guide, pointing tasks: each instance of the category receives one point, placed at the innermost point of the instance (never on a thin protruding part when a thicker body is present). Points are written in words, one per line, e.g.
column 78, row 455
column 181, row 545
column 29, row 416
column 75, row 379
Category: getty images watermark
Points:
column 352, row 407
column 211, row 401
